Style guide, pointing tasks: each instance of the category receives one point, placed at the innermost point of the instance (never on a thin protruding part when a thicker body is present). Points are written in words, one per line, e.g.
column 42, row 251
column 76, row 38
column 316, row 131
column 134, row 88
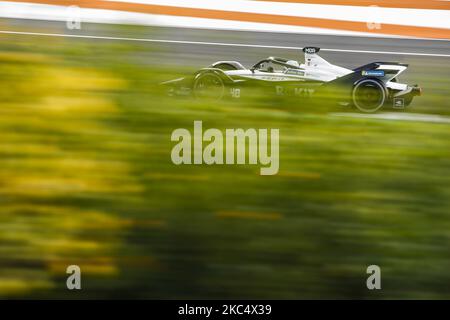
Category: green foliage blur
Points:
column 86, row 178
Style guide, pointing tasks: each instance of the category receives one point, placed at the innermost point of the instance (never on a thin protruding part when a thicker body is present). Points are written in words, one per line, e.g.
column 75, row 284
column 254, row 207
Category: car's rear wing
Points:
column 385, row 71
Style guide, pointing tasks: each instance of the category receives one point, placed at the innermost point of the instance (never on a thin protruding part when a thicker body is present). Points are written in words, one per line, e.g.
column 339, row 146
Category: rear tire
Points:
column 369, row 95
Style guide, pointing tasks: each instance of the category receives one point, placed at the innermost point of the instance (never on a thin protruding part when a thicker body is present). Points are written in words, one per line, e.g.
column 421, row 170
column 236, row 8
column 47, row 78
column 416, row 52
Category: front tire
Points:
column 209, row 86
column 369, row 95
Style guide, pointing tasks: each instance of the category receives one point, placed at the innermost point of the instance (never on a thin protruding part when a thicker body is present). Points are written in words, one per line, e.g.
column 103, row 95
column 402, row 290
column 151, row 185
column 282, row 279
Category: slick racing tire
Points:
column 369, row 95
column 208, row 86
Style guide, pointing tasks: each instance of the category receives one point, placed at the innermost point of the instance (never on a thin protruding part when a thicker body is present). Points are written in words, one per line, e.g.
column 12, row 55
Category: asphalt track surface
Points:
column 428, row 59
column 229, row 43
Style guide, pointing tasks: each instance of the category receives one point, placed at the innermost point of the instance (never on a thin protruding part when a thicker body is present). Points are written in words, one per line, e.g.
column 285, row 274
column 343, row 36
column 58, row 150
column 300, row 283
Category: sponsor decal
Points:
column 373, row 73
column 273, row 78
column 279, row 90
column 303, row 92
column 295, row 72
column 399, row 103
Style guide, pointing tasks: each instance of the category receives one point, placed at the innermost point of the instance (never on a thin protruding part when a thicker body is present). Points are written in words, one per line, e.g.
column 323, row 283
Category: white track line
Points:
column 418, row 117
column 217, row 43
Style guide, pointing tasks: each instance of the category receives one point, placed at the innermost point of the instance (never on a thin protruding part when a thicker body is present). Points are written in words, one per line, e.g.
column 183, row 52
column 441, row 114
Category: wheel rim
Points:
column 369, row 96
column 209, row 86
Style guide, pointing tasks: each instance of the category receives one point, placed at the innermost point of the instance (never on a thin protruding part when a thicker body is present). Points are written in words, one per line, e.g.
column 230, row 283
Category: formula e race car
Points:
column 368, row 88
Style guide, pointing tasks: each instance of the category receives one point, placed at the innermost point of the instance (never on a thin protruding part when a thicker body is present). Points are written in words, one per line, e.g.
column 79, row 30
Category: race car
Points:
column 368, row 88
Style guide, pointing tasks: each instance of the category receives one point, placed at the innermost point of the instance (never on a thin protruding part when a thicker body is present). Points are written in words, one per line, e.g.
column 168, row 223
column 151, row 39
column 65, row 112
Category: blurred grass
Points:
column 86, row 178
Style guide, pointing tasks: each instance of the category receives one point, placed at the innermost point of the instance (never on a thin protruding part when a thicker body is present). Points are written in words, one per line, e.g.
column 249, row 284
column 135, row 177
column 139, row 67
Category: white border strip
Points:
column 45, row 12
column 217, row 43
column 398, row 16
